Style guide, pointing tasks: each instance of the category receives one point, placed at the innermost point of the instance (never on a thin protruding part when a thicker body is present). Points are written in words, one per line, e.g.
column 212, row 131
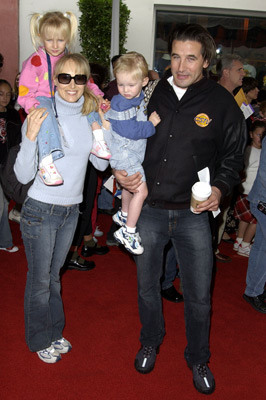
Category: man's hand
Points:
column 212, row 204
column 130, row 183
column 34, row 121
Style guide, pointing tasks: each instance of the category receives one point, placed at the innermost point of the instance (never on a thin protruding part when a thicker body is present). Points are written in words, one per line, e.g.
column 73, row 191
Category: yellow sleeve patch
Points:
column 23, row 90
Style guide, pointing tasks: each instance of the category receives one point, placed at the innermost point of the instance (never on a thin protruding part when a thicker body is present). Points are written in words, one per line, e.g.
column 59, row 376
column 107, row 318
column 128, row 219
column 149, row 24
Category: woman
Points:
column 49, row 214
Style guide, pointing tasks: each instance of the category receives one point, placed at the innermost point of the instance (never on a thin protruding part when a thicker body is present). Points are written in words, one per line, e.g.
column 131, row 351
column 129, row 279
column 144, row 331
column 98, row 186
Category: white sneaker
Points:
column 131, row 241
column 100, row 149
column 13, row 249
column 49, row 355
column 49, row 173
column 243, row 251
column 236, row 245
column 98, row 232
column 119, row 219
column 14, row 215
column 62, row 345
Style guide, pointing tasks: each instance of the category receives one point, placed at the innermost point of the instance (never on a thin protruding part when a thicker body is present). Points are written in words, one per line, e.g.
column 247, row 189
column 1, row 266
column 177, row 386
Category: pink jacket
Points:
column 34, row 81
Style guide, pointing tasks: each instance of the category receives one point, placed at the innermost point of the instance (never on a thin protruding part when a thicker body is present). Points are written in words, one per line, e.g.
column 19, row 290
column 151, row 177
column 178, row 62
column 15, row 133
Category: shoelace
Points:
column 147, row 351
column 202, row 370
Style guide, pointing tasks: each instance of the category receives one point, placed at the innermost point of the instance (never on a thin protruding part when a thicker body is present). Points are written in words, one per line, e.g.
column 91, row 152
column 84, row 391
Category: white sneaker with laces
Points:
column 243, row 251
column 236, row 245
column 131, row 241
column 62, row 345
column 49, row 355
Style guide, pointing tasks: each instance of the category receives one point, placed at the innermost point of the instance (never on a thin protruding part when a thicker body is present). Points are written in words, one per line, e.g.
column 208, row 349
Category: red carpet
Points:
column 103, row 326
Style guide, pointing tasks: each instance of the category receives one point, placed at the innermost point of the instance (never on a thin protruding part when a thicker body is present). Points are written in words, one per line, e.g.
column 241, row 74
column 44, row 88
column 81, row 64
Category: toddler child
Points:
column 130, row 130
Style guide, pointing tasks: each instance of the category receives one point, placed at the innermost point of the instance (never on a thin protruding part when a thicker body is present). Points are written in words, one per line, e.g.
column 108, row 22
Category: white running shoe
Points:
column 62, row 345
column 119, row 219
column 98, row 232
column 12, row 249
column 243, row 251
column 131, row 241
column 14, row 215
column 49, row 355
column 236, row 245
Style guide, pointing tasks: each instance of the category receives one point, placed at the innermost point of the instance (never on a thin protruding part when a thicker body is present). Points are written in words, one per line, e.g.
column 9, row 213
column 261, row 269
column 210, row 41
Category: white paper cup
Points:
column 200, row 192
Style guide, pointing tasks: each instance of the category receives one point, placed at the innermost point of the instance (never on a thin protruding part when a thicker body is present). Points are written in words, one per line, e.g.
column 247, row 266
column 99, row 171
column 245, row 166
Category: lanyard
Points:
column 65, row 143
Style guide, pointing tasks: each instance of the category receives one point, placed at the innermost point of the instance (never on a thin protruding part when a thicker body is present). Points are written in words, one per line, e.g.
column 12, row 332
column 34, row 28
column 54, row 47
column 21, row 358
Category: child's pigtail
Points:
column 73, row 29
column 34, row 30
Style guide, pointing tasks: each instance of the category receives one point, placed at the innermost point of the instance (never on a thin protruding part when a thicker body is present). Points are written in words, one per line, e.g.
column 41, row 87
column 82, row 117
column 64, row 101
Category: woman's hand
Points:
column 34, row 121
column 105, row 124
column 130, row 183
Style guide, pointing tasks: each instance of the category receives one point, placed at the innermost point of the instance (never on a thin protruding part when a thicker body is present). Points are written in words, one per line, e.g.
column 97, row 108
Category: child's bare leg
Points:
column 249, row 233
column 135, row 205
column 242, row 227
column 126, row 198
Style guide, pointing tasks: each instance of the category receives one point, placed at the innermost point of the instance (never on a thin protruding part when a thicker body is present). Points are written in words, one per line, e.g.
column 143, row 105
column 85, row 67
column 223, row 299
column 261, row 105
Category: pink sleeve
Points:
column 95, row 89
column 29, row 83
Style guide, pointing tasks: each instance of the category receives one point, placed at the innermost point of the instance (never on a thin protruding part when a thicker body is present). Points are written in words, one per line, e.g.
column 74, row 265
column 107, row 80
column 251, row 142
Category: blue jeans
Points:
column 191, row 238
column 170, row 269
column 256, row 273
column 47, row 232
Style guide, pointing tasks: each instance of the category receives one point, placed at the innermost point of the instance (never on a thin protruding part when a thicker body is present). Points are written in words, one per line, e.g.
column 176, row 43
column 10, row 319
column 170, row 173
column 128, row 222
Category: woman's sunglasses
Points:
column 65, row 79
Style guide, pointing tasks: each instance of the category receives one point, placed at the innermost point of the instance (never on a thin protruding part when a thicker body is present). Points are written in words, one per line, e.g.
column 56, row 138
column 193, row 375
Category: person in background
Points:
column 230, row 72
column 194, row 133
column 52, row 35
column 49, row 215
column 10, row 135
column 247, row 222
column 1, row 62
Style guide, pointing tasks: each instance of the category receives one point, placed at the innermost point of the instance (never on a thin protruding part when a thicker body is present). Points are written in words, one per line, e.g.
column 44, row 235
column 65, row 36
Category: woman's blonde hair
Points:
column 82, row 67
column 132, row 63
column 53, row 22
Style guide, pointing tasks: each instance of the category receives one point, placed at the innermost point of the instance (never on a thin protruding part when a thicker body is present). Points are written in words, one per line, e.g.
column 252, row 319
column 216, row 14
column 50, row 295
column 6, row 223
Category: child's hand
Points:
column 105, row 124
column 104, row 104
column 154, row 118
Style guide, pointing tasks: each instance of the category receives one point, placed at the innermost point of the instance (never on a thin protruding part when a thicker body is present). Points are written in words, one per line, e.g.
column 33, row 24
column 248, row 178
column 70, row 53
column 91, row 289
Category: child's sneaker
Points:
column 131, row 241
column 243, row 251
column 62, row 345
column 49, row 355
column 49, row 173
column 236, row 245
column 119, row 219
column 100, row 149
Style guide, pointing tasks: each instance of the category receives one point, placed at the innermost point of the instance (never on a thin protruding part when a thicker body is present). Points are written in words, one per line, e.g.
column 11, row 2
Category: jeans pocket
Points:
column 31, row 225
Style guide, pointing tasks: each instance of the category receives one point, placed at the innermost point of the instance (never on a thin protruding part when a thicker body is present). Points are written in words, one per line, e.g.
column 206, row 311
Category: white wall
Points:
column 141, row 27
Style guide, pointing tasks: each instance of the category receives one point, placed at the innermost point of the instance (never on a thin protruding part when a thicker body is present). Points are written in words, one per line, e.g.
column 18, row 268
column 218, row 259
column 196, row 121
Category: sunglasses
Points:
column 65, row 79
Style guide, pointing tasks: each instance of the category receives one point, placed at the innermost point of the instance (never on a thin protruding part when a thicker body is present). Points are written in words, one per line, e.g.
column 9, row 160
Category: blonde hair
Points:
column 53, row 21
column 83, row 67
column 133, row 63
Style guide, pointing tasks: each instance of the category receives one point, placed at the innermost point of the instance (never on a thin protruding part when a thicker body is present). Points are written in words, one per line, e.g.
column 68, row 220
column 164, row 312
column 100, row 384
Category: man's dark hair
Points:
column 197, row 33
column 249, row 83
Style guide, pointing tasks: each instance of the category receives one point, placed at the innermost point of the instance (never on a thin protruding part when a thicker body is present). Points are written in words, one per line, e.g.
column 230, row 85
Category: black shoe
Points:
column 145, row 359
column 171, row 294
column 112, row 242
column 88, row 251
column 256, row 302
column 203, row 378
column 106, row 211
column 231, row 241
column 75, row 264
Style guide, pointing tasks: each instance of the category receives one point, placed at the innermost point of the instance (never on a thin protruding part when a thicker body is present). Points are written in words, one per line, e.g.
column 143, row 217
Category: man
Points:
column 201, row 126
column 230, row 73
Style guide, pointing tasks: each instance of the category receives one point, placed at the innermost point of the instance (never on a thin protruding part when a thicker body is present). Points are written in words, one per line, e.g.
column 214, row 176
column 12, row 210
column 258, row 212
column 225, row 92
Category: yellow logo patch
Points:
column 202, row 120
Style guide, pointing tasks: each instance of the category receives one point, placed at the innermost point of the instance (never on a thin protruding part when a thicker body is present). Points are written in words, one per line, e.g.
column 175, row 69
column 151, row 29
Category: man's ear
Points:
column 145, row 81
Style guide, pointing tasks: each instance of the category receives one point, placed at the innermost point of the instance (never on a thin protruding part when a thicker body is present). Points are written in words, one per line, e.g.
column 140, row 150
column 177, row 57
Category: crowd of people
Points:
column 155, row 139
